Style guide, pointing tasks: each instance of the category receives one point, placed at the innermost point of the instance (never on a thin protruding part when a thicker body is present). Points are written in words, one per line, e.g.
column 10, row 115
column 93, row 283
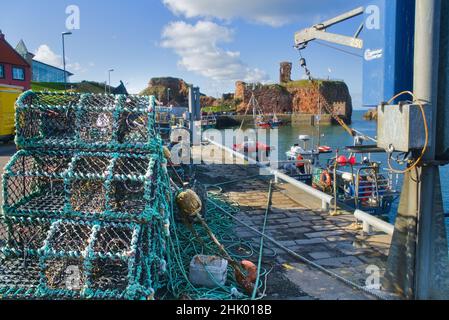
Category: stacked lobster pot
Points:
column 87, row 200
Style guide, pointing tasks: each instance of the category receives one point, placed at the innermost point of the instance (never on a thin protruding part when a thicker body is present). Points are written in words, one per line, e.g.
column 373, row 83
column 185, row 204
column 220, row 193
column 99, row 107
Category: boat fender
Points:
column 300, row 162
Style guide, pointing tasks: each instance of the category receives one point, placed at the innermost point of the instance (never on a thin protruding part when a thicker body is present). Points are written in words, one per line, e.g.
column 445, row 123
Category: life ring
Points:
column 300, row 161
column 325, row 178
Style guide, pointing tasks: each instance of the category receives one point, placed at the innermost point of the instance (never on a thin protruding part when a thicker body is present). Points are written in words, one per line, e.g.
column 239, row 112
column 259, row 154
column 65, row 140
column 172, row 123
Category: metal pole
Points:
column 418, row 259
column 63, row 62
column 431, row 266
column 191, row 112
column 109, row 74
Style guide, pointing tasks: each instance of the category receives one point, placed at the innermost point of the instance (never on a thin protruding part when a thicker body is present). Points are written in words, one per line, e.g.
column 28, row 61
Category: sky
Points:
column 210, row 44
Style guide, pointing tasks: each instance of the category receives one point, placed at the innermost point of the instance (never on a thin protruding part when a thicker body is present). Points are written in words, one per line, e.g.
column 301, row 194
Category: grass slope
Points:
column 81, row 87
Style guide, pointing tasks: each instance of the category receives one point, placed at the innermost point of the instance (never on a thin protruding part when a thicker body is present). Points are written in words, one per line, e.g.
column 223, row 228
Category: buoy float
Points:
column 189, row 203
column 251, row 270
column 342, row 160
column 300, row 161
column 352, row 161
column 167, row 153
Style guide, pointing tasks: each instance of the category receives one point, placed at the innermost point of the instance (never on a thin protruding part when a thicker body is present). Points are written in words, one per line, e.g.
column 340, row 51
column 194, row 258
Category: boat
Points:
column 260, row 122
column 255, row 150
column 208, row 121
column 301, row 161
column 324, row 149
column 356, row 180
column 275, row 122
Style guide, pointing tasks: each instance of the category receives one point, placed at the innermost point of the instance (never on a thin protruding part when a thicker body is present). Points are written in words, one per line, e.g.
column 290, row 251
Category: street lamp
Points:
column 109, row 72
column 63, row 56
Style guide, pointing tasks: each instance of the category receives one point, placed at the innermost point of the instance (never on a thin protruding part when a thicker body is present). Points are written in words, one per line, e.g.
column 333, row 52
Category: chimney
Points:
column 2, row 36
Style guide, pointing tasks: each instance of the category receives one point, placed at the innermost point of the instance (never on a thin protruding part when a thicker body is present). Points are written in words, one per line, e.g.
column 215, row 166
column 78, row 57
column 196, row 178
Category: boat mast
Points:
column 319, row 120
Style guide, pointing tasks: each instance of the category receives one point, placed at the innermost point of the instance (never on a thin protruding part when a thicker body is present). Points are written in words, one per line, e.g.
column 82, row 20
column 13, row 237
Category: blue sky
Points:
column 208, row 43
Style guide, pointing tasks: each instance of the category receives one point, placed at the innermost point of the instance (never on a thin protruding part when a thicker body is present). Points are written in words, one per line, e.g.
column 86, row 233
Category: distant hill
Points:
column 164, row 88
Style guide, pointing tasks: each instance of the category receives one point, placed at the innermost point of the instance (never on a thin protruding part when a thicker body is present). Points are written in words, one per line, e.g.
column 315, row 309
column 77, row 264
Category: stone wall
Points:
column 302, row 97
column 271, row 98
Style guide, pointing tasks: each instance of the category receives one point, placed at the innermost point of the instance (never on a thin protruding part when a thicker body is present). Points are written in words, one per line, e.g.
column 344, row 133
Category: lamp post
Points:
column 109, row 73
column 63, row 57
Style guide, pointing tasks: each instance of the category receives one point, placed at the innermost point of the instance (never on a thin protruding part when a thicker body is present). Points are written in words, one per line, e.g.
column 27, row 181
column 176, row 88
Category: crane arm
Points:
column 318, row 32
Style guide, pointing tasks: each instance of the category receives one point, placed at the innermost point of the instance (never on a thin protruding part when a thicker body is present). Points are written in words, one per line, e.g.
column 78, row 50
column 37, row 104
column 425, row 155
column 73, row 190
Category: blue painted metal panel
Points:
column 388, row 49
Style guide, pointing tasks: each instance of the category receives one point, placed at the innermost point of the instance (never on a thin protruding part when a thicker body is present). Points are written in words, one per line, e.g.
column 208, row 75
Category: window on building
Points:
column 18, row 73
column 2, row 71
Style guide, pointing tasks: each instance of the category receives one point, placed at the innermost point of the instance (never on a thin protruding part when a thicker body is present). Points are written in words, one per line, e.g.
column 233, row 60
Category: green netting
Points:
column 183, row 245
column 86, row 121
column 87, row 202
column 88, row 185
column 43, row 258
column 88, row 207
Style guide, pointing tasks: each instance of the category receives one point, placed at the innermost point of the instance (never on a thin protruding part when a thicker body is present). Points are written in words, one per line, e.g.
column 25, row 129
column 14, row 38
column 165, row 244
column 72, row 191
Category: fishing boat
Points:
column 275, row 122
column 208, row 121
column 301, row 160
column 354, row 179
column 255, row 150
column 260, row 122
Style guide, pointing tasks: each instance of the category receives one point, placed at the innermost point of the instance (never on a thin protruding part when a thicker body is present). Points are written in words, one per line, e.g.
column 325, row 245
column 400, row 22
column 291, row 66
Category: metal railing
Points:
column 370, row 222
column 326, row 200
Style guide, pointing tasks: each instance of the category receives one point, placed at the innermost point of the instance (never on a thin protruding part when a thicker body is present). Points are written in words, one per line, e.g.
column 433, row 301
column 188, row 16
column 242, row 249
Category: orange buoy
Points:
column 342, row 160
column 251, row 270
column 300, row 161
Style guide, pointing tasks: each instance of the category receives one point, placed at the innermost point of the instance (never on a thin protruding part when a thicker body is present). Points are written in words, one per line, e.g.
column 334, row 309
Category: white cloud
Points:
column 76, row 67
column 46, row 55
column 270, row 12
column 199, row 51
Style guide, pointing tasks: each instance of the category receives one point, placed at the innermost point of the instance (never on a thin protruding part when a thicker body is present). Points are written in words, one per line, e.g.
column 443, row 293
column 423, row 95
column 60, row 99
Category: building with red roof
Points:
column 14, row 69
